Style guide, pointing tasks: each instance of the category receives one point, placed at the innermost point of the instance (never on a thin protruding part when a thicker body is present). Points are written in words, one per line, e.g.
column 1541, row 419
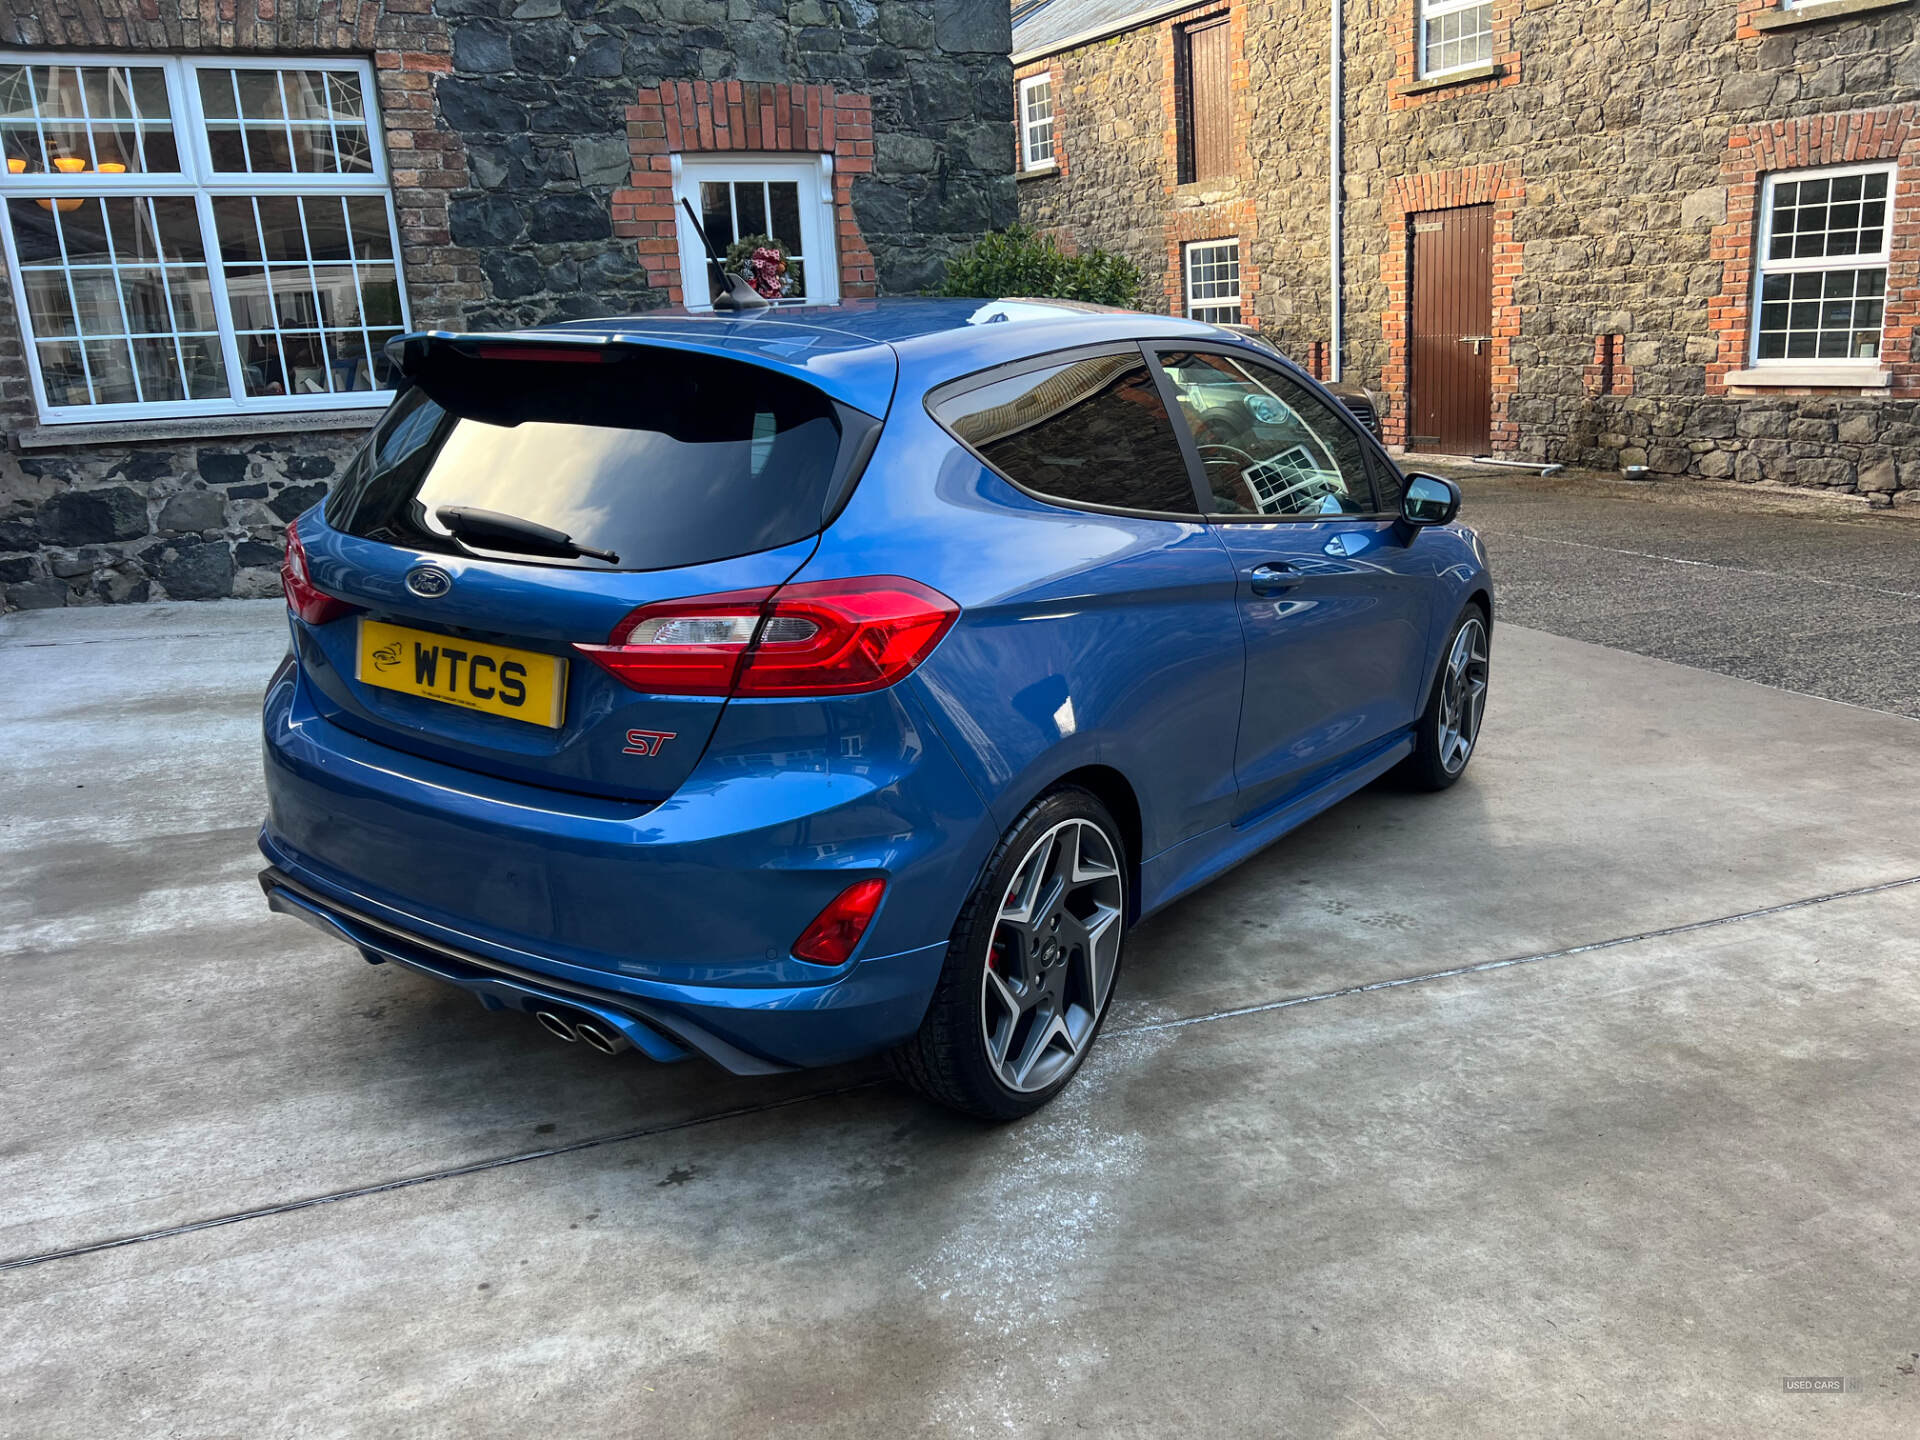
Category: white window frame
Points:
column 1188, row 302
column 198, row 179
column 1028, row 125
column 1763, row 267
column 818, row 222
column 1433, row 10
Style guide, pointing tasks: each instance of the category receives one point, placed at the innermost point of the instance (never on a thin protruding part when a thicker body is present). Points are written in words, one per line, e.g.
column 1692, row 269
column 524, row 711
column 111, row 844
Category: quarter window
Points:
column 1267, row 445
column 1213, row 281
column 1091, row 432
column 196, row 236
column 1036, row 123
column 1823, row 265
column 1455, row 34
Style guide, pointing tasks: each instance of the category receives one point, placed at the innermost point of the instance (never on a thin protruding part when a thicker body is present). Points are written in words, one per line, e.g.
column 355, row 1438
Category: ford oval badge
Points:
column 429, row 582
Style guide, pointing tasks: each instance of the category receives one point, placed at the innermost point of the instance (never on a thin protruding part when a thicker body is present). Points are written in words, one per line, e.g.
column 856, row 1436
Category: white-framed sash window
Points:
column 1213, row 280
column 738, row 197
column 1821, row 266
column 198, row 235
column 1036, row 123
column 1455, row 35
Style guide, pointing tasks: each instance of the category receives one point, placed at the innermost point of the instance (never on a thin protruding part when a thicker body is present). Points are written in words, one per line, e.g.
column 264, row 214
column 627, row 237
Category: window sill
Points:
column 192, row 427
column 1811, row 377
column 1493, row 70
column 1047, row 172
column 1810, row 14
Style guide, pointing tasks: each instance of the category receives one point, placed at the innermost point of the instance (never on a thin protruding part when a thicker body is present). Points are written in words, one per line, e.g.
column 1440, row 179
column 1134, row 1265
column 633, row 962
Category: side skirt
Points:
column 1192, row 863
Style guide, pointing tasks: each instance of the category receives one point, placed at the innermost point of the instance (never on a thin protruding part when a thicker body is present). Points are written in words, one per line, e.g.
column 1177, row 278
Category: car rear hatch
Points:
column 522, row 499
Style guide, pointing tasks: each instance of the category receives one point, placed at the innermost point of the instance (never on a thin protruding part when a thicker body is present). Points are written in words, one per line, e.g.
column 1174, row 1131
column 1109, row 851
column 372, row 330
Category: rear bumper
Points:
column 676, row 918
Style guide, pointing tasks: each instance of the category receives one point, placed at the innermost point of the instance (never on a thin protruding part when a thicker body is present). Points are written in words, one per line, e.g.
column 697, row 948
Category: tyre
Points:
column 1447, row 732
column 1030, row 966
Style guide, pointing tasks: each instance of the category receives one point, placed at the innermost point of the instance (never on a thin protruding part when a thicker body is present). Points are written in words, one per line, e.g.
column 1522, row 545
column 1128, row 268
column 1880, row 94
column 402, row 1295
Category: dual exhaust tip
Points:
column 595, row 1034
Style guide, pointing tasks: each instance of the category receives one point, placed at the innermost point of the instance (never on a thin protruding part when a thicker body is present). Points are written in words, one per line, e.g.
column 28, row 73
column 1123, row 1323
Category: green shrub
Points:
column 1016, row 261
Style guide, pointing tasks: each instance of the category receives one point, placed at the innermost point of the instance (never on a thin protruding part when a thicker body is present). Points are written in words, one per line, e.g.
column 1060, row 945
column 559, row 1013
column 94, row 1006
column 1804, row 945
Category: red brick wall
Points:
column 1754, row 152
column 692, row 116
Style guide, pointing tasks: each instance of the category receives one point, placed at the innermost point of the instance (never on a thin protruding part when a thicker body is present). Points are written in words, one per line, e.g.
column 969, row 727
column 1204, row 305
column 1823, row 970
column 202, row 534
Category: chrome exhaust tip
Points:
column 557, row 1026
column 602, row 1038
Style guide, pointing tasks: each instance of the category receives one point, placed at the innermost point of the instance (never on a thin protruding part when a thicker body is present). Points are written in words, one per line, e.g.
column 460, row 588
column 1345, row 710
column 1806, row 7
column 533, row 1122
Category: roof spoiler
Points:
column 413, row 352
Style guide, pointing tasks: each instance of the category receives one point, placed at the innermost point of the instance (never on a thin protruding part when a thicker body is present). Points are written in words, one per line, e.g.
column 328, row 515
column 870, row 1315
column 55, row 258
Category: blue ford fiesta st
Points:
column 785, row 687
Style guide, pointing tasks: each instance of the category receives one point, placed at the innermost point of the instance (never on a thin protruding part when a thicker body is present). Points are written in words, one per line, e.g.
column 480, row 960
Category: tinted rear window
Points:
column 1092, row 432
column 662, row 457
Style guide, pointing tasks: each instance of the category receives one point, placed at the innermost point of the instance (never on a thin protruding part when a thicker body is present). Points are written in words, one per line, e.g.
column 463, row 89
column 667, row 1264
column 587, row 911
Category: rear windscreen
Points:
column 661, row 457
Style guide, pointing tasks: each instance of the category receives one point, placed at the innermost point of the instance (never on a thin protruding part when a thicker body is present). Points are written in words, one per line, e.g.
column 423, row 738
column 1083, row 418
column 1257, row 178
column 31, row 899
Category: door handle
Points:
column 1272, row 577
column 1476, row 341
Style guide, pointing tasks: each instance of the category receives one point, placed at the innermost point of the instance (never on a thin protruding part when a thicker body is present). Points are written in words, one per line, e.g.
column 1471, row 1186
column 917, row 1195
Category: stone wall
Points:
column 165, row 522
column 1110, row 152
column 1622, row 126
column 508, row 135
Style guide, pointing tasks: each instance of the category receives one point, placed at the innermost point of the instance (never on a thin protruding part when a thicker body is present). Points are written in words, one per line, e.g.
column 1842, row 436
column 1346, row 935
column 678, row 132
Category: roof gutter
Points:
column 1105, row 32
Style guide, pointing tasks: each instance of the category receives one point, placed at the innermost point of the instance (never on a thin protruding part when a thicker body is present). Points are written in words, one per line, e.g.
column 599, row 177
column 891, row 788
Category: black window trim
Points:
column 1054, row 359
column 1370, row 448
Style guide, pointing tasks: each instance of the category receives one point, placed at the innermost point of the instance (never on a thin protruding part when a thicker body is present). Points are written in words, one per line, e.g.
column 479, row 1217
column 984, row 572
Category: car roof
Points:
column 858, row 350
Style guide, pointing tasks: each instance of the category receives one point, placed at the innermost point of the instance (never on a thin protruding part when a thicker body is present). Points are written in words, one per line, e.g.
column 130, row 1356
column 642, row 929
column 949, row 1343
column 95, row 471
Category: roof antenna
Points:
column 739, row 294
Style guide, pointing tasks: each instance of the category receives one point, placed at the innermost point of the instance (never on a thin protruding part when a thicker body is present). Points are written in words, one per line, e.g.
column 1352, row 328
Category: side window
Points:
column 1268, row 446
column 1092, row 432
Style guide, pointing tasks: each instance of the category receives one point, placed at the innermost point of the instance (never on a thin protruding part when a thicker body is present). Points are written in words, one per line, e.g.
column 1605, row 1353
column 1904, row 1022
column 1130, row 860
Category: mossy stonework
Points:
column 1624, row 150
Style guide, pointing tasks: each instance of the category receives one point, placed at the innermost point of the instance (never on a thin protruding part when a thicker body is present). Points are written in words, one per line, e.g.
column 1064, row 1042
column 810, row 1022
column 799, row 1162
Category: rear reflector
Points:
column 835, row 932
column 304, row 598
column 826, row 637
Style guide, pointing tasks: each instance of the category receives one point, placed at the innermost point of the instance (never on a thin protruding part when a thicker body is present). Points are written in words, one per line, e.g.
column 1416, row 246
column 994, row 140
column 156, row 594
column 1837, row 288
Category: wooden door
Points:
column 1209, row 138
column 1452, row 331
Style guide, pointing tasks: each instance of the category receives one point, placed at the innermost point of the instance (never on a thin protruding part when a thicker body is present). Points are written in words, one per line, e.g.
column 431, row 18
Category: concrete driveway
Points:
column 1577, row 1100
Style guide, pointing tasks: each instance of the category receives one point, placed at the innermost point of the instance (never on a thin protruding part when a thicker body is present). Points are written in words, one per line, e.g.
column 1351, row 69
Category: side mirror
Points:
column 1429, row 500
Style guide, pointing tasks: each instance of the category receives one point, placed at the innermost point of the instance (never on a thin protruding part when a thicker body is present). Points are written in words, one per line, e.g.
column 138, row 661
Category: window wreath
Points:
column 763, row 260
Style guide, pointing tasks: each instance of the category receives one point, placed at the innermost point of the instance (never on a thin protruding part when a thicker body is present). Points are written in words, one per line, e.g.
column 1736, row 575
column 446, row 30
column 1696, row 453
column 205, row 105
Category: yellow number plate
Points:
column 523, row 684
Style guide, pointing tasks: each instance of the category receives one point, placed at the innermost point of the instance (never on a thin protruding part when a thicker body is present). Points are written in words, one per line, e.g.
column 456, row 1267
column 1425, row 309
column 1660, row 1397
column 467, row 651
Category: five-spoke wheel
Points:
column 1052, row 956
column 1463, row 694
column 1030, row 966
column 1443, row 740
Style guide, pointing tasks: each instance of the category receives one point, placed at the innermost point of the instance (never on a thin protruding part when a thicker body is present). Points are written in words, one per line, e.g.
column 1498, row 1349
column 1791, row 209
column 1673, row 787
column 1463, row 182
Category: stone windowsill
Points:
column 1047, row 172
column 1493, row 70
column 1811, row 377
column 1781, row 18
column 197, row 427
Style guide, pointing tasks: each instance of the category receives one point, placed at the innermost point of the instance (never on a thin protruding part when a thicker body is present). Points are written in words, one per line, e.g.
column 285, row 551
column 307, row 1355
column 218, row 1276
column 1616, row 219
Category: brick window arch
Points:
column 694, row 117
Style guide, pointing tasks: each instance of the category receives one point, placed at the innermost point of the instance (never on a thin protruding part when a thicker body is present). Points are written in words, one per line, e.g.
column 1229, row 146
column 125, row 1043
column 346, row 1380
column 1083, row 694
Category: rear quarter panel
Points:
column 1085, row 638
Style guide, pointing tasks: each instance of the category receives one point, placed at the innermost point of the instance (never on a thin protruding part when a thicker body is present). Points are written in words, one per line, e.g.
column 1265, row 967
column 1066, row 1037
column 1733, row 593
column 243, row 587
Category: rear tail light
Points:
column 826, row 637
column 304, row 598
column 835, row 932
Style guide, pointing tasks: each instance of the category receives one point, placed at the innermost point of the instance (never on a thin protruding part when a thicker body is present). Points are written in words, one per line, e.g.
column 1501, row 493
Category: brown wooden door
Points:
column 1209, row 118
column 1452, row 357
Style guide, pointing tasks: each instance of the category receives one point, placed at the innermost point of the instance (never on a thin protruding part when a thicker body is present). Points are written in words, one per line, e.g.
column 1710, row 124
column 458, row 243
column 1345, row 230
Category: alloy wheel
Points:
column 1053, row 954
column 1463, row 695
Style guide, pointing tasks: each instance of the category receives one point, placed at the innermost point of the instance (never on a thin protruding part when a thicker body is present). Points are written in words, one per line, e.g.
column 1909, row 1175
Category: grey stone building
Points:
column 217, row 212
column 1684, row 235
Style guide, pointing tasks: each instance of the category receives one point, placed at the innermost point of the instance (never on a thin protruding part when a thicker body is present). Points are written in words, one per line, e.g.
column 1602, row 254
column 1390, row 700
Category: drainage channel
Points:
column 499, row 1162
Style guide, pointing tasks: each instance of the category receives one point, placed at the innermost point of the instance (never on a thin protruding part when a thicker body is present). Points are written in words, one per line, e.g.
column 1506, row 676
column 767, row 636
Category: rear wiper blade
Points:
column 491, row 530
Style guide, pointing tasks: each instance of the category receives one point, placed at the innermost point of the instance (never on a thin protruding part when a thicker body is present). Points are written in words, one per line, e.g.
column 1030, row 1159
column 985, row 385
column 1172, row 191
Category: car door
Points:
column 1334, row 618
